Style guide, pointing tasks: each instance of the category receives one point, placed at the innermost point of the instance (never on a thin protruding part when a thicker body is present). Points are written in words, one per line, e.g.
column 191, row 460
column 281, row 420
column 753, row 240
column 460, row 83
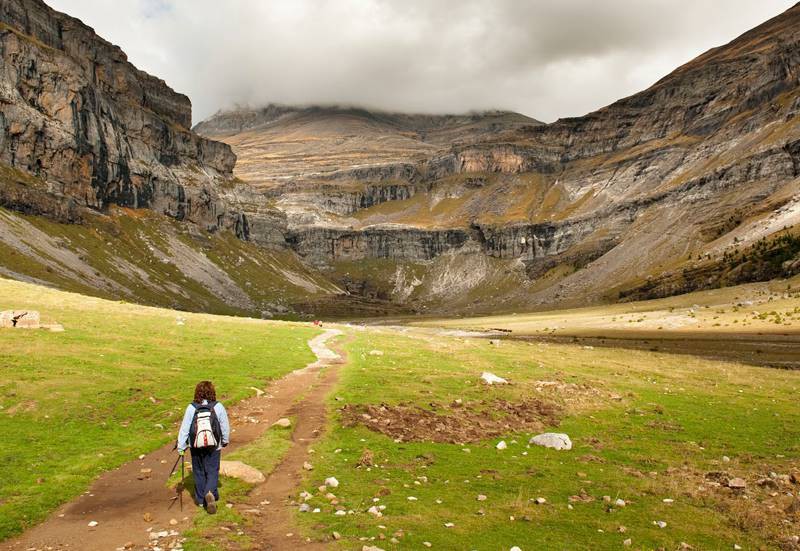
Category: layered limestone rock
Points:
column 77, row 115
column 615, row 196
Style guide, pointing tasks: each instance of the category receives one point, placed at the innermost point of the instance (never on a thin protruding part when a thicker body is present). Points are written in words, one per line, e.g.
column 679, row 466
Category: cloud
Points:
column 545, row 58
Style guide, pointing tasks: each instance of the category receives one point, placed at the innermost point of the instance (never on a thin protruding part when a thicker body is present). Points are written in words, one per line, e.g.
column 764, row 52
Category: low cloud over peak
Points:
column 546, row 59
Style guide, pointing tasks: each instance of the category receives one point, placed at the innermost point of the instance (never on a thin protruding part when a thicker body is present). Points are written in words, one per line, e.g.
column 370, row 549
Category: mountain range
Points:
column 340, row 210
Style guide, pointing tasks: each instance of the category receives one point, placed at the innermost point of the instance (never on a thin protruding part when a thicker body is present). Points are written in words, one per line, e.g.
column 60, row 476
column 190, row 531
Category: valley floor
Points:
column 660, row 440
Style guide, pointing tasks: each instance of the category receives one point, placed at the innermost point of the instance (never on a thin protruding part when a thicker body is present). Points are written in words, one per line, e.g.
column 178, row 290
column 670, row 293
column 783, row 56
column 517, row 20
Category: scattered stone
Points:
column 554, row 440
column 93, row 523
column 147, row 517
column 258, row 391
column 304, row 508
column 481, row 497
column 337, row 536
column 492, row 379
column 515, row 548
column 628, row 542
column 726, row 459
column 737, row 483
column 411, row 498
column 660, row 523
column 501, row 445
column 448, row 524
column 540, row 501
column 283, row 422
column 308, row 466
column 331, row 482
column 242, row 471
column 426, row 543
column 173, row 522
column 620, row 503
column 376, row 352
column 767, row 483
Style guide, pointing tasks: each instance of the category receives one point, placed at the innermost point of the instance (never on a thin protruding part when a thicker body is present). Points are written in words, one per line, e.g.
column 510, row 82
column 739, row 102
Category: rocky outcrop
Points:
column 321, row 245
column 78, row 115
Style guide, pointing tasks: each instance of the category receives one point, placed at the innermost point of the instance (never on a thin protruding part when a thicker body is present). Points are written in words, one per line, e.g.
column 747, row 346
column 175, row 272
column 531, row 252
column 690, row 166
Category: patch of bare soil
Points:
column 762, row 499
column 455, row 423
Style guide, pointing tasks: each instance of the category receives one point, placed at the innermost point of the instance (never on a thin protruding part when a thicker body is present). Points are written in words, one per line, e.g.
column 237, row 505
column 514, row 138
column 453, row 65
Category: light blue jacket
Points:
column 222, row 416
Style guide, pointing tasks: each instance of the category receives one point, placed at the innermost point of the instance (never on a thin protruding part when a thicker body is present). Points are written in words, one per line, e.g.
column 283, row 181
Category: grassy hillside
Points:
column 655, row 430
column 143, row 257
column 112, row 386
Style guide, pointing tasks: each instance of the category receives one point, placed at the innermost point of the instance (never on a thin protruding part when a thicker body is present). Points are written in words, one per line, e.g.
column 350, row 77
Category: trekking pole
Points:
column 174, row 467
column 183, row 462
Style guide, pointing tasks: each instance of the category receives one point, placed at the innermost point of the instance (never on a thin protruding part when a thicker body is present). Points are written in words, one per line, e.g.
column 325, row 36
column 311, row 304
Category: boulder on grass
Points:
column 555, row 440
column 492, row 379
column 242, row 471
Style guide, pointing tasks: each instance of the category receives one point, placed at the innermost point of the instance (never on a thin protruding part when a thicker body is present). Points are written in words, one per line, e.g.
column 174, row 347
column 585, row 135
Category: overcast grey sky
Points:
column 545, row 58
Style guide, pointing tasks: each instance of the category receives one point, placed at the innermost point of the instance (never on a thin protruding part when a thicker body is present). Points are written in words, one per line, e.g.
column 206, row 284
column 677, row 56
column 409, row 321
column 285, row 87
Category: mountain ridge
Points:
column 450, row 213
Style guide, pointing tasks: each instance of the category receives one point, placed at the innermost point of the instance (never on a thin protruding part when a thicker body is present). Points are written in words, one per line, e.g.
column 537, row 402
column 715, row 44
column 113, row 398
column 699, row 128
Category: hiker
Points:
column 205, row 431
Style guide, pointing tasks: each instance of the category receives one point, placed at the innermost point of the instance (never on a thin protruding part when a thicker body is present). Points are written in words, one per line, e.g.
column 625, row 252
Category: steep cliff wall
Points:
column 76, row 114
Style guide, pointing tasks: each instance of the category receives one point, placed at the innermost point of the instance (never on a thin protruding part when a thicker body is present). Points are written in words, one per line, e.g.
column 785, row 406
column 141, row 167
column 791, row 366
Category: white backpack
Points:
column 205, row 427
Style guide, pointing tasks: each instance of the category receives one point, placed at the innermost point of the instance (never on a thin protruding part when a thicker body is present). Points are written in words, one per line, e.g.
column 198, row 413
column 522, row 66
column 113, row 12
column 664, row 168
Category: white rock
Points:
column 481, row 497
column 332, row 482
column 340, row 513
column 555, row 440
column 501, row 445
column 258, row 391
column 376, row 352
column 411, row 498
column 283, row 422
column 242, row 471
column 660, row 523
column 515, row 548
column 492, row 379
column 620, row 502
column 304, row 507
column 93, row 523
column 374, row 511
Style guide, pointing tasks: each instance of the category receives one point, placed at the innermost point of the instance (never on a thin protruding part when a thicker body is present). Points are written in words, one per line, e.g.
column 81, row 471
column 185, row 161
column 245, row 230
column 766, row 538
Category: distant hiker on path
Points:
column 205, row 430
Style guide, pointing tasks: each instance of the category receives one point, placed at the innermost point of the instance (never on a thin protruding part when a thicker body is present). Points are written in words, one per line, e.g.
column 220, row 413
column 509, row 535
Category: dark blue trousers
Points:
column 205, row 469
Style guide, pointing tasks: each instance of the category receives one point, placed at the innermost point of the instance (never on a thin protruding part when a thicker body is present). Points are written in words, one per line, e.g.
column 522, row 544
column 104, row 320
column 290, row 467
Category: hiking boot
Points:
column 211, row 503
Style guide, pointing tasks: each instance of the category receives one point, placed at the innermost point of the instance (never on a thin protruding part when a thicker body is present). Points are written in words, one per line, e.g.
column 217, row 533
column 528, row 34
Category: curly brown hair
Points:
column 205, row 391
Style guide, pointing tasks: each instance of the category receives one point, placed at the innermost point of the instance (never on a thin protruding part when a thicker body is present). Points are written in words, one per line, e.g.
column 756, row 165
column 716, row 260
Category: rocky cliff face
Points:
column 579, row 209
column 77, row 115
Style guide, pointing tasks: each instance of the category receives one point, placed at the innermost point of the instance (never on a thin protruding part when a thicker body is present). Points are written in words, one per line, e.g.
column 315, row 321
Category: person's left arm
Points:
column 224, row 424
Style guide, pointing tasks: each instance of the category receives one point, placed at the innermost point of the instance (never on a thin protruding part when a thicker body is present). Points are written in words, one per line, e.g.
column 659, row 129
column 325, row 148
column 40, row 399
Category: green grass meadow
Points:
column 656, row 425
column 112, row 386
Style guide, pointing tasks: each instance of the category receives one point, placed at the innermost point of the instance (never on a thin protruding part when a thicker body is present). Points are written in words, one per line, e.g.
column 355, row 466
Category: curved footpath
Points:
column 119, row 501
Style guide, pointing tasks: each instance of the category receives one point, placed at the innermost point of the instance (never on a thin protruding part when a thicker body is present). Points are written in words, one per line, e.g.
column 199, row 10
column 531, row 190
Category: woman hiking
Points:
column 205, row 431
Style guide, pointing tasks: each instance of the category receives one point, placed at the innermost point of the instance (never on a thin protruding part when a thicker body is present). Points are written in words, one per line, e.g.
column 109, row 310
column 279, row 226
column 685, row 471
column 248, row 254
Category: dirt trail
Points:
column 267, row 505
column 118, row 499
